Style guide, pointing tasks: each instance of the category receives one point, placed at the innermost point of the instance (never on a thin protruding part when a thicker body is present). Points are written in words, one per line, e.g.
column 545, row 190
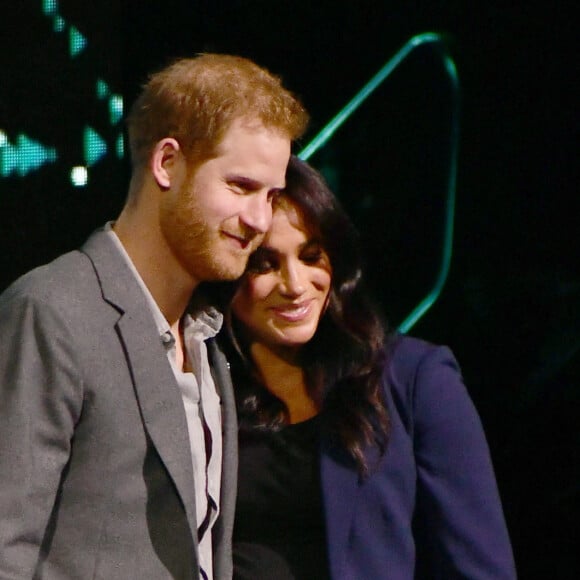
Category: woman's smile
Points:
column 293, row 312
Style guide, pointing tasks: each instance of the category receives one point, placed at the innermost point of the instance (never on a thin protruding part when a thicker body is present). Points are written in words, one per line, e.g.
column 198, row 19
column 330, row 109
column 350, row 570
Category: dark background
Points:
column 511, row 306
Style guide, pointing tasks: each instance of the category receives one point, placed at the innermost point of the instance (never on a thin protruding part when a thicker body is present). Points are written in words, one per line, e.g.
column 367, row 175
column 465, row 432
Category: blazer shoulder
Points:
column 51, row 282
column 407, row 355
column 84, row 277
column 412, row 365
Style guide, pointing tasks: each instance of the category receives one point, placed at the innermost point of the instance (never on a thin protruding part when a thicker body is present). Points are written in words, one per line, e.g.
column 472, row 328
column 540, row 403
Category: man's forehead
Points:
column 252, row 124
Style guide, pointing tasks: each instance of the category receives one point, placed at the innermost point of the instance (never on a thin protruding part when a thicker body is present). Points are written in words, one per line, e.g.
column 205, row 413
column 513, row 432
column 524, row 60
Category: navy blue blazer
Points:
column 431, row 508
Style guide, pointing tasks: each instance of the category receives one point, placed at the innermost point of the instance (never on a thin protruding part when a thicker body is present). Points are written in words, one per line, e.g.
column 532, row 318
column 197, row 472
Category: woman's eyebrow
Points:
column 314, row 241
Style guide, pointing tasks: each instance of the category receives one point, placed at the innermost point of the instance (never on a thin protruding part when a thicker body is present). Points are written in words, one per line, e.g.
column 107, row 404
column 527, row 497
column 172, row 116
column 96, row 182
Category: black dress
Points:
column 279, row 532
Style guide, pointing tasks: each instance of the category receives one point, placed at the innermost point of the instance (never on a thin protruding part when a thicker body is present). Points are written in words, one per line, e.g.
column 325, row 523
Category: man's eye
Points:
column 237, row 187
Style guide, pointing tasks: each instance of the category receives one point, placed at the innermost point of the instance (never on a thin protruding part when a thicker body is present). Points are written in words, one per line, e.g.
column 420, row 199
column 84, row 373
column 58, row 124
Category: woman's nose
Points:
column 292, row 282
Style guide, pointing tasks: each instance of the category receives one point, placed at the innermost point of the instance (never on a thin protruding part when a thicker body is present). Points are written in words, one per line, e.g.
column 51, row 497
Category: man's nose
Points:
column 257, row 214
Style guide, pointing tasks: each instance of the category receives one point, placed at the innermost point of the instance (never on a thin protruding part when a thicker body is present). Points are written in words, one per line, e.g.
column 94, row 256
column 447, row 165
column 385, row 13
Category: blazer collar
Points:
column 155, row 386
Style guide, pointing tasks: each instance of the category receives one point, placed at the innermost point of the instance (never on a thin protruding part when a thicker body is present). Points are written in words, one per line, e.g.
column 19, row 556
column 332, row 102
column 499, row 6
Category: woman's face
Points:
column 285, row 290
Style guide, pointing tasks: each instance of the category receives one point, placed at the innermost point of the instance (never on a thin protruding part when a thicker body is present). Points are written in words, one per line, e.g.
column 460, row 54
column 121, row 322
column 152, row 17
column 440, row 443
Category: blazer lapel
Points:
column 225, row 523
column 339, row 481
column 155, row 386
column 161, row 406
column 223, row 383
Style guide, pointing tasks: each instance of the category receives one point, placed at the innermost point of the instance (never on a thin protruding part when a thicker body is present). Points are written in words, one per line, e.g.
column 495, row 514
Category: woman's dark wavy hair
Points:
column 343, row 362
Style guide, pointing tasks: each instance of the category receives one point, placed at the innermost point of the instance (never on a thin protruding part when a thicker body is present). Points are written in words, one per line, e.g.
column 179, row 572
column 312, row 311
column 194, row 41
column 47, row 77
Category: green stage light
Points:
column 120, row 146
column 115, row 108
column 77, row 42
column 50, row 7
column 431, row 39
column 20, row 155
column 103, row 90
column 23, row 157
column 94, row 146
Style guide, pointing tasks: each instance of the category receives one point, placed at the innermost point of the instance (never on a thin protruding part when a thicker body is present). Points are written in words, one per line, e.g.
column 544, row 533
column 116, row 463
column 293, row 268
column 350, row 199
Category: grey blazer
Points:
column 96, row 480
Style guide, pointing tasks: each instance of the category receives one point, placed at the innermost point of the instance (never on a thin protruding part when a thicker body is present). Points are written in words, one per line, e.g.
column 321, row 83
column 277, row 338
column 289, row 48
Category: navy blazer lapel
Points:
column 340, row 485
column 155, row 386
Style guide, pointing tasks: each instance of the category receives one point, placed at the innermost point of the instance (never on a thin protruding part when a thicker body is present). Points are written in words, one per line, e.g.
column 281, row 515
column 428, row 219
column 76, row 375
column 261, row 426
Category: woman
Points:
column 360, row 457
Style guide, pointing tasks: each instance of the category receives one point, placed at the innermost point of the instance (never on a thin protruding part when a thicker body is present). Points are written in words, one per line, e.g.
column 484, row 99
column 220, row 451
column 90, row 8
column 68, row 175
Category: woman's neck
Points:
column 284, row 378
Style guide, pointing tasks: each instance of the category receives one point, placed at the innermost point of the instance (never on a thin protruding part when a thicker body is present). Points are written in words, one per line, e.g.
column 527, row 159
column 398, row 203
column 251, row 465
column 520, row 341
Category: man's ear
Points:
column 164, row 159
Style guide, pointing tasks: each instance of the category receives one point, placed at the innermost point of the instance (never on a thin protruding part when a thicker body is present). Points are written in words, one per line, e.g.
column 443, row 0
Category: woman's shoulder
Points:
column 407, row 356
column 420, row 375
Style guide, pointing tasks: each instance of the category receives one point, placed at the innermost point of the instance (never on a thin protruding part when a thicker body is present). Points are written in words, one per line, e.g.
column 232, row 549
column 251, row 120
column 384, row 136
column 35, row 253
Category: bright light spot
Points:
column 79, row 176
column 3, row 139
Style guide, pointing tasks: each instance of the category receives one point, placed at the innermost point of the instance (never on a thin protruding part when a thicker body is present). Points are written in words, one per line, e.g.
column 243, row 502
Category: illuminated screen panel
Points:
column 62, row 158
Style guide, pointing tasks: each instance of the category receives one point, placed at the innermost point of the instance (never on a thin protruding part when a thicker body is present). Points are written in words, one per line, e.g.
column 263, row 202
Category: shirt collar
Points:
column 202, row 324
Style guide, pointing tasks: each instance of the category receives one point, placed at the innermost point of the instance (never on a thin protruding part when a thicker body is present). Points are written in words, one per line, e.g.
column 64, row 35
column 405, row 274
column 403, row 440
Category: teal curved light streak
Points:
column 333, row 125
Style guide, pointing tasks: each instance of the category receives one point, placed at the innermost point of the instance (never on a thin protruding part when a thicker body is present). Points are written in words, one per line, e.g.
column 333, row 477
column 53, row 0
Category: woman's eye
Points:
column 311, row 257
column 260, row 268
column 274, row 195
column 260, row 263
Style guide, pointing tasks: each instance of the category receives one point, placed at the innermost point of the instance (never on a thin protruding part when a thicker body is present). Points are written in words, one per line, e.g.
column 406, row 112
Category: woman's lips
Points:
column 293, row 312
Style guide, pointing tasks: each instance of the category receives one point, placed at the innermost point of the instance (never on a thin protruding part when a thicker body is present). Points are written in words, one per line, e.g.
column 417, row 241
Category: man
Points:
column 117, row 435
